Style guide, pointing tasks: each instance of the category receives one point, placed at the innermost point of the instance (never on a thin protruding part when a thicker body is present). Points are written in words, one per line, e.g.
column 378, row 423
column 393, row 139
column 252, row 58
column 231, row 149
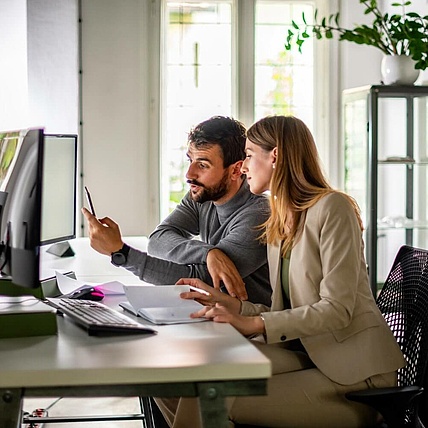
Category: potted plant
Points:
column 403, row 38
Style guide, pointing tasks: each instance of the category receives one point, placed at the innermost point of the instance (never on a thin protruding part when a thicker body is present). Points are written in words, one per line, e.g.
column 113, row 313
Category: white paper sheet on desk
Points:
column 161, row 304
column 66, row 285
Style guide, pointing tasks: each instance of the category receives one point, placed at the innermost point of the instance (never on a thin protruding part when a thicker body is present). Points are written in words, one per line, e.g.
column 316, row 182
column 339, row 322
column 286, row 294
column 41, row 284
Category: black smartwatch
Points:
column 119, row 258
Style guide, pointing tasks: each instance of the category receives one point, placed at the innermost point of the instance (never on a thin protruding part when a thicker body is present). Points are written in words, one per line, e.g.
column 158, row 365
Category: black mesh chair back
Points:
column 403, row 302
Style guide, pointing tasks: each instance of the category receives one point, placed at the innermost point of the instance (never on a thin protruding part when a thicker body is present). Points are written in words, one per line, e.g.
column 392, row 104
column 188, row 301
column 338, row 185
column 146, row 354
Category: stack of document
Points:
column 160, row 304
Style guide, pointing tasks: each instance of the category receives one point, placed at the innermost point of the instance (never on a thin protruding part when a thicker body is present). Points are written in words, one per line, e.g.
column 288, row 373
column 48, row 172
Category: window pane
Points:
column 198, row 74
column 198, row 82
column 283, row 79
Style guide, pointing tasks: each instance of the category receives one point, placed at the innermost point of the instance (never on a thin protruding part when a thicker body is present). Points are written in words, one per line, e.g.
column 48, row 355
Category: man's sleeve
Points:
column 157, row 271
column 173, row 239
column 241, row 244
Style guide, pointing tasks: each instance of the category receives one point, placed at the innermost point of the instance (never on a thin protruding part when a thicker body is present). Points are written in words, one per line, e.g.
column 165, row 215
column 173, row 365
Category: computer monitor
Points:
column 21, row 178
column 59, row 193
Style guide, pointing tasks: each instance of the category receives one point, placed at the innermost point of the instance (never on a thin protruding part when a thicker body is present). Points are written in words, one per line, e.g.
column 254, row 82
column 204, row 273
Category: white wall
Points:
column 359, row 64
column 38, row 64
column 39, row 86
column 115, row 112
column 13, row 65
column 53, row 83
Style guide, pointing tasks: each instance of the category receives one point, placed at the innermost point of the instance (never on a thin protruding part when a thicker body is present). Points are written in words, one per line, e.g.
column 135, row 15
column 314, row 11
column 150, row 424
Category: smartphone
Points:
column 89, row 199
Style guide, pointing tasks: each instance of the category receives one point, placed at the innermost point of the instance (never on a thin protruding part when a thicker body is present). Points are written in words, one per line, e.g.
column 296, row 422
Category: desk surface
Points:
column 87, row 263
column 184, row 352
column 195, row 353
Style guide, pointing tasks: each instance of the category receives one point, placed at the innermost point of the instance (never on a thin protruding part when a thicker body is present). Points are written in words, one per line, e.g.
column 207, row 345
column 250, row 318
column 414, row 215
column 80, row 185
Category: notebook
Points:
column 160, row 304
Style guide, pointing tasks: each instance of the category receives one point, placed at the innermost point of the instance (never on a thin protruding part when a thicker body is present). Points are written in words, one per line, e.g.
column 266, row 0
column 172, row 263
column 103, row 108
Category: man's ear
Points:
column 236, row 170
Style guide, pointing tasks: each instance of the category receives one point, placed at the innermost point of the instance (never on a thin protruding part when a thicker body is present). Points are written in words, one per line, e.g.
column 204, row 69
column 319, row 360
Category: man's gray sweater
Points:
column 178, row 247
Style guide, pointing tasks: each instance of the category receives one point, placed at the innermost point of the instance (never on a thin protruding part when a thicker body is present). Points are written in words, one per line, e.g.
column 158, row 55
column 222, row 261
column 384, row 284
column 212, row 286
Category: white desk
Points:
column 88, row 264
column 207, row 360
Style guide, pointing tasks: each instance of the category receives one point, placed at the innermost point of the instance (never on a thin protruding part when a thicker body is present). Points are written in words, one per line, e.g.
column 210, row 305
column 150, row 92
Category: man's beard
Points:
column 210, row 193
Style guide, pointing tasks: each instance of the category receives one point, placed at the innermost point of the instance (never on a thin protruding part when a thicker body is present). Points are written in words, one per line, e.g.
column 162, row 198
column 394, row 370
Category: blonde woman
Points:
column 323, row 332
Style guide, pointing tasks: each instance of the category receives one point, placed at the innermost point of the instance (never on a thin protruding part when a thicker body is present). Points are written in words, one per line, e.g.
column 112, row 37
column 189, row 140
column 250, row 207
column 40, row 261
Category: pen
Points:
column 199, row 290
column 88, row 197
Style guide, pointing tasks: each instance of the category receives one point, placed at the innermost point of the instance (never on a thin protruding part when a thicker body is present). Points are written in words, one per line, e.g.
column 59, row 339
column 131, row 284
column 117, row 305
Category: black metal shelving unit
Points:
column 386, row 168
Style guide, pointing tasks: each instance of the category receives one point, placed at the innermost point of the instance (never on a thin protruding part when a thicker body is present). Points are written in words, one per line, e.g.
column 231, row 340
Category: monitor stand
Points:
column 61, row 249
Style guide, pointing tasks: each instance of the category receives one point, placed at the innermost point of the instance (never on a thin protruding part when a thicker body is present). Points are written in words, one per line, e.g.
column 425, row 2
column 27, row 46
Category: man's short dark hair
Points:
column 228, row 133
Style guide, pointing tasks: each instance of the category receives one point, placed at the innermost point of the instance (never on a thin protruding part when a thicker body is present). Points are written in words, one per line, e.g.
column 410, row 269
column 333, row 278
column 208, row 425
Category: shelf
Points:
column 399, row 160
column 400, row 222
column 402, row 162
column 403, row 227
column 385, row 157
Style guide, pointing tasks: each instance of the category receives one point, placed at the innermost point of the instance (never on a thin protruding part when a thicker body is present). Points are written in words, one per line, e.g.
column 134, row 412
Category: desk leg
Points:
column 212, row 405
column 10, row 408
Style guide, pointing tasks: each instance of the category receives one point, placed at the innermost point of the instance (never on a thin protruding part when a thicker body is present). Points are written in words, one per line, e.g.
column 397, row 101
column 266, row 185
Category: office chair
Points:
column 403, row 302
column 145, row 416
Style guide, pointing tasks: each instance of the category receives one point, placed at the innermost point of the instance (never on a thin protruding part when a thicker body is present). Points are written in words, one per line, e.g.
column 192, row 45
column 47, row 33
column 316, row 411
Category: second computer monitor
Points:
column 59, row 189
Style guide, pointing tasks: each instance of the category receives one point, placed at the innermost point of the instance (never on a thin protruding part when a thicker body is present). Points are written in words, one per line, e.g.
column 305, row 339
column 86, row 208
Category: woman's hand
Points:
column 212, row 297
column 221, row 307
column 244, row 324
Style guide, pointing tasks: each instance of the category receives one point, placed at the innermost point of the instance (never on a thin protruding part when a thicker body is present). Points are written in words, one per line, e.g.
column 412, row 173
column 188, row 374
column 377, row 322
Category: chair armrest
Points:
column 391, row 403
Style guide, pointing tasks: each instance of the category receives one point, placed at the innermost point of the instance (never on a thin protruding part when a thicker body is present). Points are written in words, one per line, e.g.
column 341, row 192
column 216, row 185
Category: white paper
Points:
column 110, row 288
column 67, row 285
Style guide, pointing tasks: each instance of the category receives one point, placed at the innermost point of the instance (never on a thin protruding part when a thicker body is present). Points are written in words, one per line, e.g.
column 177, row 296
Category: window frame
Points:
column 326, row 98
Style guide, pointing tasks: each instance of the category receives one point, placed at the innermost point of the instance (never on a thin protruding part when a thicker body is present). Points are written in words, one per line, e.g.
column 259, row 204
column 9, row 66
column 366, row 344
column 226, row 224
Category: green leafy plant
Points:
column 395, row 34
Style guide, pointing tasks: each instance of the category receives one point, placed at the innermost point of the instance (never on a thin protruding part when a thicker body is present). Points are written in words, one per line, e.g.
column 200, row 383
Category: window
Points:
column 283, row 79
column 227, row 57
column 198, row 82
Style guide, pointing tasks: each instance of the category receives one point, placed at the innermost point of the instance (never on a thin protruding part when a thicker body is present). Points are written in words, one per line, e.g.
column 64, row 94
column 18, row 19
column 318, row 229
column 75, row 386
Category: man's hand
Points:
column 221, row 268
column 104, row 234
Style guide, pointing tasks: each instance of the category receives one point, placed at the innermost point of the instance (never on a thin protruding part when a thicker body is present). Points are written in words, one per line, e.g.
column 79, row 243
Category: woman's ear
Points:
column 274, row 154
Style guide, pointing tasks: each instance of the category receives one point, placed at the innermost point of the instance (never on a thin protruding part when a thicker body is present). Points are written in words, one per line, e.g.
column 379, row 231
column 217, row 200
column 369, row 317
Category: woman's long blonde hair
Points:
column 297, row 182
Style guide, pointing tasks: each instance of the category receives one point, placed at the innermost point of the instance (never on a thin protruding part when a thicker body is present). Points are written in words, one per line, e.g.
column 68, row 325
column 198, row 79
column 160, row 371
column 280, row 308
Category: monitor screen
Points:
column 59, row 188
column 21, row 164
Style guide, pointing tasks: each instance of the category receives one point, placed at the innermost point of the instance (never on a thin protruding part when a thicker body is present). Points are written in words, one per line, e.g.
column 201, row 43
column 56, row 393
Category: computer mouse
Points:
column 87, row 293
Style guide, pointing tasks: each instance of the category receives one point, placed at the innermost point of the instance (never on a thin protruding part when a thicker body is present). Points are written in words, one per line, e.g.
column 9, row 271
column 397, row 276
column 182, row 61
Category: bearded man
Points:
column 213, row 233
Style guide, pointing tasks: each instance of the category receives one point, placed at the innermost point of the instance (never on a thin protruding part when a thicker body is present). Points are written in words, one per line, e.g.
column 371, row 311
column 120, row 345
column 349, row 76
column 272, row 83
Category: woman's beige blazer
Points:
column 333, row 312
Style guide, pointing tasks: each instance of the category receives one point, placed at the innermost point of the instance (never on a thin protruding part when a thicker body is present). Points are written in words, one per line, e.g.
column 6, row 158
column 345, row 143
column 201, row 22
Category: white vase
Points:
column 398, row 70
